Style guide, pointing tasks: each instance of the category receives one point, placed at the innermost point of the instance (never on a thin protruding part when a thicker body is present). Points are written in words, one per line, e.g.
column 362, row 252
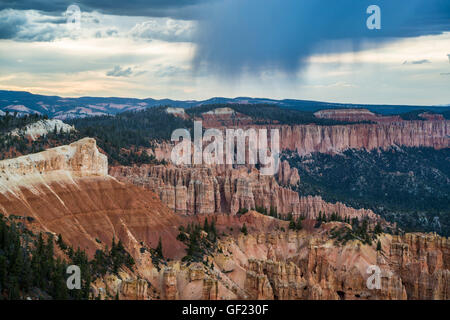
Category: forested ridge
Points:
column 410, row 186
column 269, row 114
column 124, row 137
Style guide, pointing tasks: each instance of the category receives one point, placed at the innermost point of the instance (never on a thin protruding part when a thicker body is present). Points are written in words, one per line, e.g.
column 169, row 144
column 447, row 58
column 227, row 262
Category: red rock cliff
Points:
column 329, row 139
column 217, row 190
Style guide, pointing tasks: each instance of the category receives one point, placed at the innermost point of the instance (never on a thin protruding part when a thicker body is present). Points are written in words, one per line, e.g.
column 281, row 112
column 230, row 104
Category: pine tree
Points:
column 299, row 224
column 244, row 229
column 206, row 225
column 273, row 212
column 379, row 245
column 213, row 231
column 61, row 243
column 159, row 249
column 378, row 229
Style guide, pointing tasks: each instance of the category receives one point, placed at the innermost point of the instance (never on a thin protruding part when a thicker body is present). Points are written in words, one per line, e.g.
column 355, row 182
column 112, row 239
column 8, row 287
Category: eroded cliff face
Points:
column 423, row 262
column 209, row 190
column 331, row 139
column 288, row 176
column 273, row 263
column 67, row 191
column 306, row 139
column 79, row 159
column 383, row 132
column 412, row 267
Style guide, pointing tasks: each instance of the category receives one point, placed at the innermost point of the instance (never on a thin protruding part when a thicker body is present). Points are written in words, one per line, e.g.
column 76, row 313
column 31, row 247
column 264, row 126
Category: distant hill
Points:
column 67, row 108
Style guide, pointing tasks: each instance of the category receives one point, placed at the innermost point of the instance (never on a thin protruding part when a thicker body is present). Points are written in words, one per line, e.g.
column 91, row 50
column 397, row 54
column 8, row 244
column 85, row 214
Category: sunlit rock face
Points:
column 67, row 190
column 79, row 159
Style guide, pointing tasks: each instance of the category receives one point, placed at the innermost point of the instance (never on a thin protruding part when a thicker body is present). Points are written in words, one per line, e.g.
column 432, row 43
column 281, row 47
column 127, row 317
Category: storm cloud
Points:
column 184, row 9
column 29, row 26
column 238, row 36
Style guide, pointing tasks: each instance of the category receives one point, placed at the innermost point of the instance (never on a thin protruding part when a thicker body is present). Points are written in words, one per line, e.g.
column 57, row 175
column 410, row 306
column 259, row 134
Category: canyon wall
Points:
column 307, row 265
column 306, row 139
column 209, row 190
column 388, row 131
column 270, row 263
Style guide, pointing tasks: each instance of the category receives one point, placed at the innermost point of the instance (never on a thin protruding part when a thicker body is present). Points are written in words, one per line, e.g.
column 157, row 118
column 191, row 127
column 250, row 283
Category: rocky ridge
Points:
column 42, row 128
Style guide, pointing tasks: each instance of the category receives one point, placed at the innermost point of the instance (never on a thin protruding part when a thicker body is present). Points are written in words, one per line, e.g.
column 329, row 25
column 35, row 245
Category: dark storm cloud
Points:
column 18, row 25
column 252, row 35
column 154, row 8
column 10, row 24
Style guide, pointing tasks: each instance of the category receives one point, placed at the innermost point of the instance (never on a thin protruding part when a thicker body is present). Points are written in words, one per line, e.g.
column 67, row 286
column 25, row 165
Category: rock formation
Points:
column 79, row 159
column 209, row 190
column 423, row 261
column 288, row 176
column 42, row 128
column 66, row 190
column 388, row 131
column 354, row 115
column 306, row 139
column 273, row 264
column 310, row 266
column 124, row 286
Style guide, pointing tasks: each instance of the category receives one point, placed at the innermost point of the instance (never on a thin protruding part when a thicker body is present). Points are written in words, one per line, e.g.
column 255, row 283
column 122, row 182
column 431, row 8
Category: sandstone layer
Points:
column 273, row 263
column 209, row 190
column 67, row 191
column 306, row 139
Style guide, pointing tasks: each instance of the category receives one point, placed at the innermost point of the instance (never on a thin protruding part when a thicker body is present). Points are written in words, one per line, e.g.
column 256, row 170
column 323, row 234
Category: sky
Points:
column 197, row 49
